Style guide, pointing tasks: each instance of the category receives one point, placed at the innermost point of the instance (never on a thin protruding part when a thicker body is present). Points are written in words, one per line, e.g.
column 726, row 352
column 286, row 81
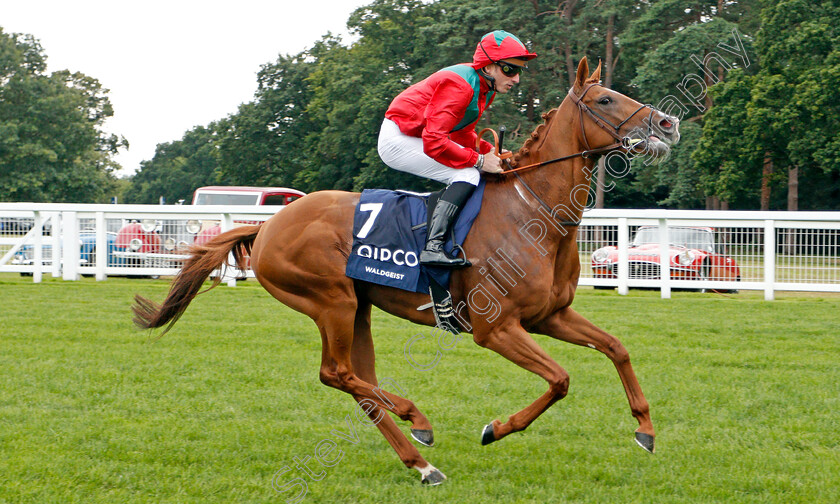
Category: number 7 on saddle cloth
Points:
column 389, row 231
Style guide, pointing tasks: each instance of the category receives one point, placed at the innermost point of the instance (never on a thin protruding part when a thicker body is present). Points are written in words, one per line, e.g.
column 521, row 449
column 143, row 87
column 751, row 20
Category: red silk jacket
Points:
column 443, row 110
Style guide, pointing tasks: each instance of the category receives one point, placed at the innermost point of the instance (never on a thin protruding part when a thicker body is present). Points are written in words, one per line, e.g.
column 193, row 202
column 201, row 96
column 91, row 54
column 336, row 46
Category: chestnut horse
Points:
column 522, row 280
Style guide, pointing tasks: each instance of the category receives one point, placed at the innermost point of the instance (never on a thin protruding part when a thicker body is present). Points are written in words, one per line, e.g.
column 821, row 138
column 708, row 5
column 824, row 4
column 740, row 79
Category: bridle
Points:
column 625, row 142
column 622, row 142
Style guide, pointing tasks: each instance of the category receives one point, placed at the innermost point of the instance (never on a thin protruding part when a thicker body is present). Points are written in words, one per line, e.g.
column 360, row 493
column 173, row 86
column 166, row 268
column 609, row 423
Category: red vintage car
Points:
column 694, row 256
column 136, row 237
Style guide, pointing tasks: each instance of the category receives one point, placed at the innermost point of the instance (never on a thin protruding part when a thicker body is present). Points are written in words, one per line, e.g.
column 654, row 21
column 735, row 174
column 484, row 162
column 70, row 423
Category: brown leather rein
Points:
column 623, row 142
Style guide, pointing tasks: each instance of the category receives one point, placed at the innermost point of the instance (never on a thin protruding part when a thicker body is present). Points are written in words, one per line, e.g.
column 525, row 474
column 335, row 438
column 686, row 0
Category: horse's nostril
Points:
column 665, row 123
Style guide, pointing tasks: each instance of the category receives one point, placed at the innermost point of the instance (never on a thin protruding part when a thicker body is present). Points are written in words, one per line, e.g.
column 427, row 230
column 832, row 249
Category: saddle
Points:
column 389, row 231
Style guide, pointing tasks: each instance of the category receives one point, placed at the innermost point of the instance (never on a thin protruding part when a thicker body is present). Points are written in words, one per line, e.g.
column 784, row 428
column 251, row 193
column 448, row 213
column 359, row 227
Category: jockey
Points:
column 429, row 131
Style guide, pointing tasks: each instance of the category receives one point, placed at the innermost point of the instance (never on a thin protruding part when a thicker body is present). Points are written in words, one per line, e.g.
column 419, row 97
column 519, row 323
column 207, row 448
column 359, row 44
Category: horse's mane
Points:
column 525, row 150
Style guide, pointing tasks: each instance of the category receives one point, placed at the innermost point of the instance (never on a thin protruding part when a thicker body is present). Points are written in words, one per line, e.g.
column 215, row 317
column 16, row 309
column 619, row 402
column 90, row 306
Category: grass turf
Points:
column 743, row 394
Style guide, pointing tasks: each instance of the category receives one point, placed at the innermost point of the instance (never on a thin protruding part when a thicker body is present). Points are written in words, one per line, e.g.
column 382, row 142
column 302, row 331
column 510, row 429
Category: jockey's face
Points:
column 503, row 83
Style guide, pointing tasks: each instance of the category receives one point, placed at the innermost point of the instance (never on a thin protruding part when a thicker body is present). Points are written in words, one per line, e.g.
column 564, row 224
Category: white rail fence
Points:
column 772, row 251
column 84, row 238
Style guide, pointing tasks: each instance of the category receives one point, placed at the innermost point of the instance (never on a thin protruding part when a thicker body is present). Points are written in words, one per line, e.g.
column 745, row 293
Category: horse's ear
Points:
column 596, row 75
column 582, row 72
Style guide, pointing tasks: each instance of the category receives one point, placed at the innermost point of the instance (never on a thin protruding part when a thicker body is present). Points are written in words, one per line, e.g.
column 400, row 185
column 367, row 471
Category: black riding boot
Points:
column 441, row 222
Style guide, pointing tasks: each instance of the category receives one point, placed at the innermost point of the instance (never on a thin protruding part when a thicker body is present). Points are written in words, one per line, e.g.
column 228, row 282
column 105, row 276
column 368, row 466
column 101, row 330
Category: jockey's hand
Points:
column 492, row 163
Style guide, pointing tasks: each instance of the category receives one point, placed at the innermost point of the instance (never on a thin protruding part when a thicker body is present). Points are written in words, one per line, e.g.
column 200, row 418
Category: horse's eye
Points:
column 604, row 101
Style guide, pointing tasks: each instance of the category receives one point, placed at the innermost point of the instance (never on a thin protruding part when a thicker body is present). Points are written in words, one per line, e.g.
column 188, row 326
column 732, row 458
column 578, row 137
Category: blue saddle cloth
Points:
column 389, row 231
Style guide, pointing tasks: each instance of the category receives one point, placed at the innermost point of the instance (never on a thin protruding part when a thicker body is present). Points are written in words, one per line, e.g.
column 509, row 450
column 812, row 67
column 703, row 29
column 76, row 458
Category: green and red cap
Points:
column 500, row 45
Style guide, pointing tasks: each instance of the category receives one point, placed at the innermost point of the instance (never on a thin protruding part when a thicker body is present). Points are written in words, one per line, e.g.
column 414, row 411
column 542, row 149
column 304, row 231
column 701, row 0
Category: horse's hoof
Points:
column 645, row 441
column 487, row 435
column 425, row 437
column 433, row 478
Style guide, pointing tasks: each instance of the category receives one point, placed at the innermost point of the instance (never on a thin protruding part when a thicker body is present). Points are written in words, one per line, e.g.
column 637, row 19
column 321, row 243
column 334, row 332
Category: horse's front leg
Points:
column 511, row 341
column 568, row 325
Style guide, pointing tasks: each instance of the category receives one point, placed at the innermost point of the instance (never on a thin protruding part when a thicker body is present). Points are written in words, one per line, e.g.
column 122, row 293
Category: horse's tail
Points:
column 203, row 260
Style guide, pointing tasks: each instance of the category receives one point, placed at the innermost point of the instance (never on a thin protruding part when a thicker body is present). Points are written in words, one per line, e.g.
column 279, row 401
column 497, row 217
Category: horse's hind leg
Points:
column 337, row 326
column 364, row 360
column 568, row 325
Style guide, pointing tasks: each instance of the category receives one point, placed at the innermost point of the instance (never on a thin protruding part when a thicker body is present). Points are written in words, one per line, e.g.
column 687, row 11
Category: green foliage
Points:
column 263, row 144
column 315, row 117
column 52, row 147
column 731, row 165
column 177, row 169
column 675, row 182
column 788, row 112
column 673, row 39
column 666, row 66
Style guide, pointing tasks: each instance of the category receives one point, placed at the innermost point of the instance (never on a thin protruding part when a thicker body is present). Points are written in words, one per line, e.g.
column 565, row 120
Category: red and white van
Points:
column 162, row 243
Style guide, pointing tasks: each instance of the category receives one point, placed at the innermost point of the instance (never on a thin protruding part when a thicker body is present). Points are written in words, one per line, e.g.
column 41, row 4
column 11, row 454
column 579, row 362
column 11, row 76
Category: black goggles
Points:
column 510, row 70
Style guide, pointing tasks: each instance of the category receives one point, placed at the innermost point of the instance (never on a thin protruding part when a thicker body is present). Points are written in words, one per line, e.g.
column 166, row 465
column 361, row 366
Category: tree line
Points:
column 52, row 146
column 755, row 83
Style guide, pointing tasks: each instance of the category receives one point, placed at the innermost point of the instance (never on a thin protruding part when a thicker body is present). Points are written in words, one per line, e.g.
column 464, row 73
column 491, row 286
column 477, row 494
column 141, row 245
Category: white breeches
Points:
column 405, row 153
